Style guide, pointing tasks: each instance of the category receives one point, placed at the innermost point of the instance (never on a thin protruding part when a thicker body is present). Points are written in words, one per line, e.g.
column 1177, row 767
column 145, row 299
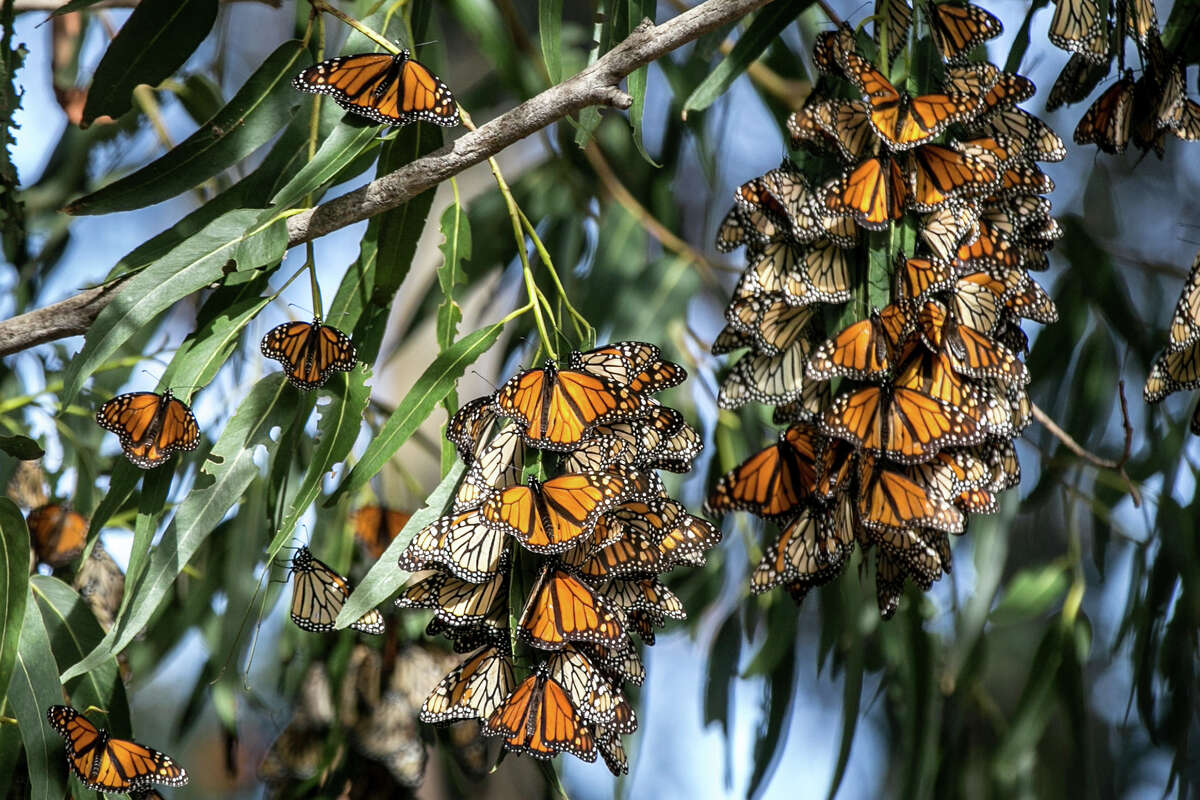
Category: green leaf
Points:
column 635, row 84
column 73, row 632
column 21, row 447
column 550, row 35
column 270, row 404
column 1030, row 593
column 456, row 247
column 14, row 583
column 201, row 97
column 156, row 40
column 121, row 483
column 766, row 27
column 33, row 689
column 851, row 697
column 338, row 427
column 260, row 109
column 74, row 5
column 239, row 237
column 151, row 501
column 385, row 575
column 429, row 389
column 721, row 672
column 340, row 148
column 219, row 326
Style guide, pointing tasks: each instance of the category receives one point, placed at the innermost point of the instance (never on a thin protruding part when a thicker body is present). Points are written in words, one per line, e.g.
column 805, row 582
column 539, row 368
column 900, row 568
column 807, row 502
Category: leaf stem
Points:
column 321, row 5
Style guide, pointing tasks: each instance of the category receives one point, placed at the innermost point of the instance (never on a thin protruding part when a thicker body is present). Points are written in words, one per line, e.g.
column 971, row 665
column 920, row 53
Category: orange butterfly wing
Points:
column 564, row 609
column 391, row 90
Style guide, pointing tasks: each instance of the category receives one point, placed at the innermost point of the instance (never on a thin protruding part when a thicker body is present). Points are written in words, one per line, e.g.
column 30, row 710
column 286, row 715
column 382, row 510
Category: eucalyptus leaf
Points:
column 35, row 687
column 21, row 447
column 14, row 583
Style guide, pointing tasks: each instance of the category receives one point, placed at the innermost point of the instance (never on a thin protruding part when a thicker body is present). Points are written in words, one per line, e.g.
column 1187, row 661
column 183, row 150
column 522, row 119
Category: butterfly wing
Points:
column 564, row 608
column 474, row 689
column 319, row 594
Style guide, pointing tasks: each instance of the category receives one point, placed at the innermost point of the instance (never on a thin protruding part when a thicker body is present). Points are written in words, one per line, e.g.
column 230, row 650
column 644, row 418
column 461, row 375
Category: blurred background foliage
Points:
column 1058, row 659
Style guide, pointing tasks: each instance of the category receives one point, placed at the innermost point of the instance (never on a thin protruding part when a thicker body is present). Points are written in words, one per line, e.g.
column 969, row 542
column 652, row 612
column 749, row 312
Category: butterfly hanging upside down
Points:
column 388, row 89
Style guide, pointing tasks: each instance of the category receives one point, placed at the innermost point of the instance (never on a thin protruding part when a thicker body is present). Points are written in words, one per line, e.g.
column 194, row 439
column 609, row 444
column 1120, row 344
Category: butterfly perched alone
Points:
column 389, row 89
column 309, row 351
column 111, row 765
column 319, row 595
column 150, row 426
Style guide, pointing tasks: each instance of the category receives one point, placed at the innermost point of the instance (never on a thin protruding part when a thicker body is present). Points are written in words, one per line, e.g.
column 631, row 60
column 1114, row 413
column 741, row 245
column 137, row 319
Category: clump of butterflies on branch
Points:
column 1141, row 111
column 900, row 424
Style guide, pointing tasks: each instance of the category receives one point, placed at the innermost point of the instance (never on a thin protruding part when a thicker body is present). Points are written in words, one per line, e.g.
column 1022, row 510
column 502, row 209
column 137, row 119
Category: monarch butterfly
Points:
column 893, row 18
column 888, row 500
column 587, row 688
column 745, row 227
column 468, row 545
column 784, row 196
column 978, row 304
column 101, row 584
column 899, row 423
column 547, row 517
column 1141, row 20
column 845, row 122
column 1185, row 322
column 107, row 764
column 803, row 127
column 538, row 719
column 889, row 583
column 388, row 89
column 768, row 379
column 946, row 227
column 610, row 748
column 497, row 466
column 1173, row 371
column 1039, row 141
column 773, row 481
column 939, row 174
column 950, row 473
column 455, row 602
column 319, row 594
column 563, row 608
column 150, row 426
column 376, row 526
column 1079, row 26
column 57, row 534
column 971, row 352
column 765, row 322
column 467, row 638
column 811, row 549
column 660, row 440
column 959, row 29
column 917, row 278
column 472, row 690
column 1076, row 81
column 993, row 152
column 873, row 193
column 1188, row 127
column 865, row 350
column 992, row 88
column 830, row 48
column 618, row 666
column 900, row 120
column 557, row 407
column 309, row 351
column 819, row 273
column 913, row 548
column 646, row 595
column 471, row 426
column 637, row 365
column 1108, row 121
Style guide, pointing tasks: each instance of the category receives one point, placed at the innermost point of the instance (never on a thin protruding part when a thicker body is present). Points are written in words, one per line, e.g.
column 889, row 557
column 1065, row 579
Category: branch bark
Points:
column 597, row 85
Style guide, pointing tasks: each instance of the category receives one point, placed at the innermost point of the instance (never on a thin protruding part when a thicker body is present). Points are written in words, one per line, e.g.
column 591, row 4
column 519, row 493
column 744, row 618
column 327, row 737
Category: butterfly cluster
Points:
column 561, row 521
column 901, row 424
column 1177, row 368
column 1141, row 111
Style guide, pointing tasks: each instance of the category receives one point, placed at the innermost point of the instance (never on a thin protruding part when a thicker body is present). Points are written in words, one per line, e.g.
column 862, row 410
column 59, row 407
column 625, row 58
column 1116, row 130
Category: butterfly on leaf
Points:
column 388, row 89
column 319, row 594
column 309, row 351
column 150, row 426
column 107, row 764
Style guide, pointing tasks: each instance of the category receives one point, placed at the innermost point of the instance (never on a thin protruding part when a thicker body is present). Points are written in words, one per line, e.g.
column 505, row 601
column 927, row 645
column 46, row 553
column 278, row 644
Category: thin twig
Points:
column 1075, row 447
column 666, row 238
column 596, row 85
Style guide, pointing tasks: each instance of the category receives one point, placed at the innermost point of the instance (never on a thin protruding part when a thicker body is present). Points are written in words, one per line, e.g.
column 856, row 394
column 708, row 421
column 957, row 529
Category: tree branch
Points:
column 53, row 5
column 597, row 85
